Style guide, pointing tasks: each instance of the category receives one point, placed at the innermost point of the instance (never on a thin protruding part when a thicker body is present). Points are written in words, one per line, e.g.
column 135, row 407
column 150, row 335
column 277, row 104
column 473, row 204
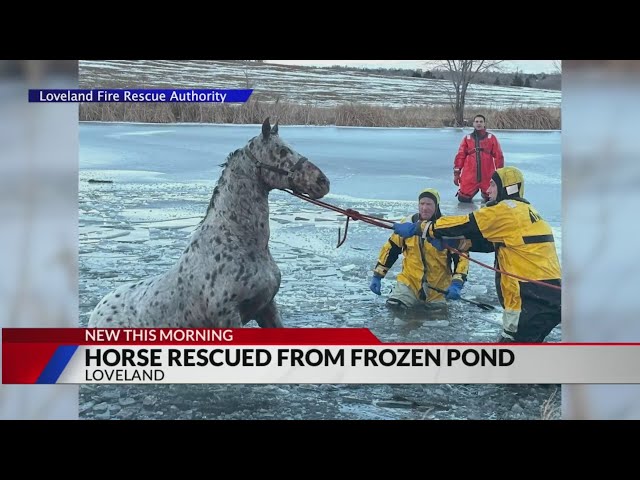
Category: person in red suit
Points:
column 478, row 157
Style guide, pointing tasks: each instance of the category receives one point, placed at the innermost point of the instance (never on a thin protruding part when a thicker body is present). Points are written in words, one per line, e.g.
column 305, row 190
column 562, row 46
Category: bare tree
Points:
column 557, row 66
column 461, row 73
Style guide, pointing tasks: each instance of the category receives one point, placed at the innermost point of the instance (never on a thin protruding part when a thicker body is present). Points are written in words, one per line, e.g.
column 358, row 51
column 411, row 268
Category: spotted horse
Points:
column 226, row 276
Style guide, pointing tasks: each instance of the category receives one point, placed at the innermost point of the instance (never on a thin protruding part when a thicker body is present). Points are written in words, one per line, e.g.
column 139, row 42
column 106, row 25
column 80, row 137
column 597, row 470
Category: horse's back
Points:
column 122, row 307
column 111, row 311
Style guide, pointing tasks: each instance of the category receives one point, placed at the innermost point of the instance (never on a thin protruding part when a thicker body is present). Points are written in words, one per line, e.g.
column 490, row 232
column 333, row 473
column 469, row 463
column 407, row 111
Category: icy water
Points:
column 163, row 177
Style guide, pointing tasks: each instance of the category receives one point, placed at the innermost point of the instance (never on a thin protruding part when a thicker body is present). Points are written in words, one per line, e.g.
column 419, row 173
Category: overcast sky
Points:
column 525, row 66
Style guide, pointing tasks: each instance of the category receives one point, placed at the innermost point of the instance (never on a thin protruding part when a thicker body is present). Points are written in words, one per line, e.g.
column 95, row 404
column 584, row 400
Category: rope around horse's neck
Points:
column 384, row 223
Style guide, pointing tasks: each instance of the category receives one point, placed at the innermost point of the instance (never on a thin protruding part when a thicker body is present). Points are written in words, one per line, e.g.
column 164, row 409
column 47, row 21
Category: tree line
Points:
column 547, row 81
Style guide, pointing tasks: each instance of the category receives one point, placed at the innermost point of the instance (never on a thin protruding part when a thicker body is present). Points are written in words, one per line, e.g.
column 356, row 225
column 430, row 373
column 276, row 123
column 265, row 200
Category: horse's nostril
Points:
column 322, row 181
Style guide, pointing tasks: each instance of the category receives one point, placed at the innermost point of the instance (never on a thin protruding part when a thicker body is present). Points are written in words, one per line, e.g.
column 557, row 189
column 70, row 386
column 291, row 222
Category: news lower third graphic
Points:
column 139, row 95
column 289, row 356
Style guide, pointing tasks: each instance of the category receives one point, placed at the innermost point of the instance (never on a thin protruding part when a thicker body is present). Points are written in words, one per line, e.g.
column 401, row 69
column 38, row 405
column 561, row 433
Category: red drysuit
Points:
column 478, row 157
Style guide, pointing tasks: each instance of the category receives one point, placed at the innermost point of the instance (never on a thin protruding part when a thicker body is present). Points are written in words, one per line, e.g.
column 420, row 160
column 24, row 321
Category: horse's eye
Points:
column 284, row 152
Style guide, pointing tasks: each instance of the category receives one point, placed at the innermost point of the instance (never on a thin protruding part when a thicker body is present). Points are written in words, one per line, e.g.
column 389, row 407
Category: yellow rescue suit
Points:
column 524, row 246
column 421, row 263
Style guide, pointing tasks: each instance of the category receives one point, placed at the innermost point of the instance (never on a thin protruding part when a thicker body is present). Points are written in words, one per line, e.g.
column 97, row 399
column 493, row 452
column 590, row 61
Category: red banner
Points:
column 190, row 336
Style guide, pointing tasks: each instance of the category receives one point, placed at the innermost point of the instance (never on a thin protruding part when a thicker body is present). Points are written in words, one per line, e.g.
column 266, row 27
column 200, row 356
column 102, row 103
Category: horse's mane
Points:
column 212, row 201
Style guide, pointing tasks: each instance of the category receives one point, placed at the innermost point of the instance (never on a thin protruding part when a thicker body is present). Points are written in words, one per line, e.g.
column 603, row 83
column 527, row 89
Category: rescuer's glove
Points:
column 376, row 283
column 453, row 292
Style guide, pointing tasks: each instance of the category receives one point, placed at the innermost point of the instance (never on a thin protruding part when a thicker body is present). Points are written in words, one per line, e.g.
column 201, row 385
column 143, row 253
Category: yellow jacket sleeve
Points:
column 460, row 267
column 389, row 253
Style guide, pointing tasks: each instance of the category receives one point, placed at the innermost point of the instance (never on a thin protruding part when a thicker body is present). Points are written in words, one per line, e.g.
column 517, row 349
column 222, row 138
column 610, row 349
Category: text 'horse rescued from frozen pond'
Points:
column 226, row 276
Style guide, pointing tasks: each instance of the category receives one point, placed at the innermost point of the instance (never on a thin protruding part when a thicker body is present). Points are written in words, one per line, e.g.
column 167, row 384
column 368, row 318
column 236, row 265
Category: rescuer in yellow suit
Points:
column 524, row 245
column 422, row 264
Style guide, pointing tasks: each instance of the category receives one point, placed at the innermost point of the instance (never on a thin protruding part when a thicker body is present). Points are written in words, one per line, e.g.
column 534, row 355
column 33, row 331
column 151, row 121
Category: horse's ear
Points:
column 274, row 130
column 266, row 129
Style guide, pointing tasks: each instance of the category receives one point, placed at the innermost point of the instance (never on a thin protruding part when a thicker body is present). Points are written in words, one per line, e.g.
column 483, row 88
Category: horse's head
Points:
column 282, row 167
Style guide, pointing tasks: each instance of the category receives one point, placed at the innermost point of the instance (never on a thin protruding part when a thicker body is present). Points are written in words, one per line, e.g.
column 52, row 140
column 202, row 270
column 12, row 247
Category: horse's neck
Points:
column 241, row 202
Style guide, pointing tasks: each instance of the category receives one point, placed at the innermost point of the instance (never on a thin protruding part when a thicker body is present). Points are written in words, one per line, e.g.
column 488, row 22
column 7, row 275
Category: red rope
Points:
column 384, row 223
column 354, row 214
column 538, row 282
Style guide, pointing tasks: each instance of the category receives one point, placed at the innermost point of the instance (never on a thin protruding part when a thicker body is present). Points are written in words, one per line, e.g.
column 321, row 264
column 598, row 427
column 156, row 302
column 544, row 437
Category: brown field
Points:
column 254, row 112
